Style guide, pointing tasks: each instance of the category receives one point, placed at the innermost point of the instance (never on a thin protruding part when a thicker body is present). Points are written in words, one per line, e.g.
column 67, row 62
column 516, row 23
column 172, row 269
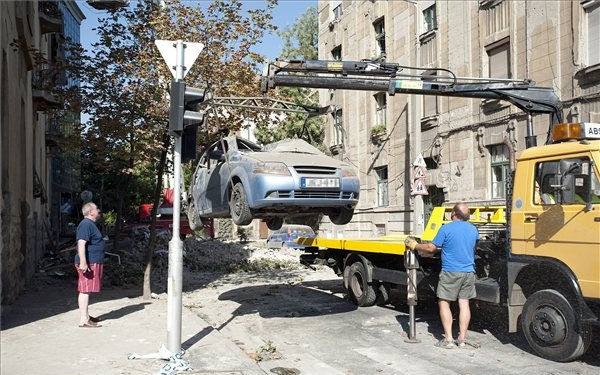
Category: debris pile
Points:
column 199, row 254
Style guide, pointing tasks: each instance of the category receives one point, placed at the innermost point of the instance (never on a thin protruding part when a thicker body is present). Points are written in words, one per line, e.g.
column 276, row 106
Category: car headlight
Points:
column 348, row 171
column 272, row 168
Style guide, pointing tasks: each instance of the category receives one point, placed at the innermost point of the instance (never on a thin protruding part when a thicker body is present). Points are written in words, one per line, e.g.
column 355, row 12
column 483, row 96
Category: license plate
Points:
column 320, row 182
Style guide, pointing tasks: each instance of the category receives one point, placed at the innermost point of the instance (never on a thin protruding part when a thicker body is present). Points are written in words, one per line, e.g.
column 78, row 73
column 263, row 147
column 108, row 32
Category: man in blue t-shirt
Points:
column 457, row 240
column 89, row 262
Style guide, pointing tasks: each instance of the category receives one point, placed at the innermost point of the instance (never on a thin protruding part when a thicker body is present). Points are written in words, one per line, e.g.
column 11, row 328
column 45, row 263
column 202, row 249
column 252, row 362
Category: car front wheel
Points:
column 238, row 205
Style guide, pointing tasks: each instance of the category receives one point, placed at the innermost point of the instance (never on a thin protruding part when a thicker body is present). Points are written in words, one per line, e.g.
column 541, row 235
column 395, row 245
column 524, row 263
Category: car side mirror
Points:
column 216, row 155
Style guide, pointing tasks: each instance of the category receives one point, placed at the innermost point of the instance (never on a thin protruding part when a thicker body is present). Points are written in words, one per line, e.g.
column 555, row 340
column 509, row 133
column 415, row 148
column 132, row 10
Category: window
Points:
column 336, row 53
column 429, row 19
column 499, row 59
column 430, row 108
column 380, row 109
column 337, row 12
column 566, row 181
column 338, row 127
column 382, row 186
column 592, row 11
column 379, row 27
column 499, row 166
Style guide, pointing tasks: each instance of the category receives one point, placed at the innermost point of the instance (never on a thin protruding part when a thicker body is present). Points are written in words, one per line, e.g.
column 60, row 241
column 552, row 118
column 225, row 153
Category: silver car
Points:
column 239, row 179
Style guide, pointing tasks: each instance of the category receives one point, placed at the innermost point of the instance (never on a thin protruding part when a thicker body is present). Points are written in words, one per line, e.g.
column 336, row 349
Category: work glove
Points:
column 410, row 242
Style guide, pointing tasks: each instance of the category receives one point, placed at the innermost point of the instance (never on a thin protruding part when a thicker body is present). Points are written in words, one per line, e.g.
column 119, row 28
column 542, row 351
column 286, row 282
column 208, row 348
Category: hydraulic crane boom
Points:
column 389, row 77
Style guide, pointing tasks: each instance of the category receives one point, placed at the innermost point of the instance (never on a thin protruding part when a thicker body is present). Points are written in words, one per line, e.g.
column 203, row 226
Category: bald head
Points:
column 461, row 211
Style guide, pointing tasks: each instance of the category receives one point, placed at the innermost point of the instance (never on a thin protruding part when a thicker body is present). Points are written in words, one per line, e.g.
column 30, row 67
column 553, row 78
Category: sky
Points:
column 284, row 14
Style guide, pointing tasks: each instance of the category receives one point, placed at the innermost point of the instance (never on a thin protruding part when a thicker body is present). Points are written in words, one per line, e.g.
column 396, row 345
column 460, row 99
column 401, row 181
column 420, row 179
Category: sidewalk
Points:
column 40, row 335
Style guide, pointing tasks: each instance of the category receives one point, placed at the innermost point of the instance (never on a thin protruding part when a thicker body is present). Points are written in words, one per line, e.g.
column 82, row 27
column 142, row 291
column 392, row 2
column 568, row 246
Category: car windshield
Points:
column 292, row 145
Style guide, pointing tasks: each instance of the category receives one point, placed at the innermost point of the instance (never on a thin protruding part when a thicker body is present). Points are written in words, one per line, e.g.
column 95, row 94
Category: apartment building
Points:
column 466, row 144
column 35, row 172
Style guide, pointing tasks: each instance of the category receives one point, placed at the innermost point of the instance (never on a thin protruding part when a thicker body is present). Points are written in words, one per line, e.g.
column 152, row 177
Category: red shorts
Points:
column 91, row 281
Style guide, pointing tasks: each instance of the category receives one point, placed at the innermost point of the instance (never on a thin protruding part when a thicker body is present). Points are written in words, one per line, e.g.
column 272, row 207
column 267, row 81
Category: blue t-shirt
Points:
column 457, row 240
column 94, row 242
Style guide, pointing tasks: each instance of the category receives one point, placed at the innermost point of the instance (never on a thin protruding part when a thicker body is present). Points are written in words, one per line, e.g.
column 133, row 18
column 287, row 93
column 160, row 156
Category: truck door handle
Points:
column 531, row 218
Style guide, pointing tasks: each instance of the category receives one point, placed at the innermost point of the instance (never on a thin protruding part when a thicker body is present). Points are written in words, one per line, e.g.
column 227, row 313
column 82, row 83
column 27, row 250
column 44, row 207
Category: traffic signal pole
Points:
column 177, row 62
column 175, row 279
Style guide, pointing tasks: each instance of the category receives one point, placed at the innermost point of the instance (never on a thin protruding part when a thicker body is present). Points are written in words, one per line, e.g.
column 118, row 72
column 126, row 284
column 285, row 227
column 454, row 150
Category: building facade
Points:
column 466, row 145
column 32, row 34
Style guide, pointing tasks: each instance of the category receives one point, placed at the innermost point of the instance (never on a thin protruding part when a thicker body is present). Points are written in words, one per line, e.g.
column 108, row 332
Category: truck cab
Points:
column 554, row 259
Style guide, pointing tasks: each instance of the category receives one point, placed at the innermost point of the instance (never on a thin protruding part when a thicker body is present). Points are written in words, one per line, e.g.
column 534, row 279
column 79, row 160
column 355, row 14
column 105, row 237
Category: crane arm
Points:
column 391, row 78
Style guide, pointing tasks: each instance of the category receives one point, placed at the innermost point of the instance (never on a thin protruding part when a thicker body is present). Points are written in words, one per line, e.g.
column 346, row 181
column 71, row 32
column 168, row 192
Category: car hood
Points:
column 294, row 152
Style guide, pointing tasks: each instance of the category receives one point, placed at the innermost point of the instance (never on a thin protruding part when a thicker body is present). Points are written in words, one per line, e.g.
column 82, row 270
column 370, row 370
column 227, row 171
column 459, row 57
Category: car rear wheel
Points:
column 274, row 223
column 238, row 205
column 192, row 214
column 341, row 216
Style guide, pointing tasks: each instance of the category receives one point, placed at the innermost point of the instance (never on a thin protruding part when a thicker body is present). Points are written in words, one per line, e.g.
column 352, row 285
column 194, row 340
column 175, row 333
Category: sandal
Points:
column 90, row 324
column 460, row 343
column 445, row 344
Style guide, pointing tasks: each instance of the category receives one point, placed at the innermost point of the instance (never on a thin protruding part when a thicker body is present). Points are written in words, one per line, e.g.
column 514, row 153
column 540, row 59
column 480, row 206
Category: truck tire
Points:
column 549, row 324
column 238, row 205
column 383, row 294
column 361, row 292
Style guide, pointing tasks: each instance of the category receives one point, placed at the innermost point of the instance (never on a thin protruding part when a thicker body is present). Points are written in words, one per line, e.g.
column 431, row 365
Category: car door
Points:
column 215, row 185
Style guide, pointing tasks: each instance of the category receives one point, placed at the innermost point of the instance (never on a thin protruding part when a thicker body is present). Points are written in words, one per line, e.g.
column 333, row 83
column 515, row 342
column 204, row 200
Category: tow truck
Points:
column 538, row 257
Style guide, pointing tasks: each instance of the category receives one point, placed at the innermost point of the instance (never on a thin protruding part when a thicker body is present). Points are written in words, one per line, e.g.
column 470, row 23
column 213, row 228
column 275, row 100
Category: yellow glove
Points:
column 410, row 242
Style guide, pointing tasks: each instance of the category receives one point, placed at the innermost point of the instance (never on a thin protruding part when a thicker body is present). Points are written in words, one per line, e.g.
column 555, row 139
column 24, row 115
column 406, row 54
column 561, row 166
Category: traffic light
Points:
column 183, row 110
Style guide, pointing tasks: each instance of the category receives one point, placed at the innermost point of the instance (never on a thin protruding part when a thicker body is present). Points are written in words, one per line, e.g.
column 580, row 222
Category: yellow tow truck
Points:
column 541, row 261
column 539, row 256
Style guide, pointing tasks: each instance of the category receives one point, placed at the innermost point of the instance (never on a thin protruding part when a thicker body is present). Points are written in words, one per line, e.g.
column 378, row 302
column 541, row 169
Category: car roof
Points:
column 285, row 227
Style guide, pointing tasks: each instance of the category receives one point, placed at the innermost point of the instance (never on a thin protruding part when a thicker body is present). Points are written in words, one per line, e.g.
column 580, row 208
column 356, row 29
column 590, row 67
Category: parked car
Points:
column 239, row 179
column 284, row 237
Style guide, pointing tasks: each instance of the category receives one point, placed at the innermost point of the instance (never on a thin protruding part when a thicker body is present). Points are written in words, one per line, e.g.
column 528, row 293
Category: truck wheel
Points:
column 361, row 292
column 238, row 206
column 192, row 214
column 383, row 294
column 550, row 327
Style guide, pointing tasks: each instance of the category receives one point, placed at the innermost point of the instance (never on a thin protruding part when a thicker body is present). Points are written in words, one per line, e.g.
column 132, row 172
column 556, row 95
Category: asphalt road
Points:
column 301, row 322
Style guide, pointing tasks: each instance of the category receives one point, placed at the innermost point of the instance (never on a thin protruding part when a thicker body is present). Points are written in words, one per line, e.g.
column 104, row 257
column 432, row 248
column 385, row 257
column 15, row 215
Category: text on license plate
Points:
column 320, row 182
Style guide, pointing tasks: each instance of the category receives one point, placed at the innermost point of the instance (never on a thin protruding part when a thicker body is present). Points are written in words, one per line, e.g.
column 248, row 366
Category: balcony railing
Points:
column 51, row 18
column 44, row 80
column 108, row 4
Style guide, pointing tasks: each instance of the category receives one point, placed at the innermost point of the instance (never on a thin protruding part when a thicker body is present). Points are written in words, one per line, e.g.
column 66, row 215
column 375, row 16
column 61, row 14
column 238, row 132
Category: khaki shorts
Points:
column 453, row 285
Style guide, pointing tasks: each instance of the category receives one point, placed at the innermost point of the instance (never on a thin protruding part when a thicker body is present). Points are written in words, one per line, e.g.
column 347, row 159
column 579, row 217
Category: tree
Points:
column 124, row 88
column 300, row 43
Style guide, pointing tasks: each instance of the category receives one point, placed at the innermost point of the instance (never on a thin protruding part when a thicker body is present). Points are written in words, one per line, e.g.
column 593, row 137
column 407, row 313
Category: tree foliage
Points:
column 124, row 87
column 300, row 43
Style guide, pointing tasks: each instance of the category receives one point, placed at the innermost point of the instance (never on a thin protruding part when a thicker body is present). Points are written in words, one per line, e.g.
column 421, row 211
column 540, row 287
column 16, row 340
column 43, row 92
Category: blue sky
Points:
column 284, row 15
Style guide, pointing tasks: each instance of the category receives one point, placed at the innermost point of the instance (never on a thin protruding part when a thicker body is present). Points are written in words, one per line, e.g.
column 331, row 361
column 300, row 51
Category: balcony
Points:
column 51, row 18
column 44, row 80
column 108, row 4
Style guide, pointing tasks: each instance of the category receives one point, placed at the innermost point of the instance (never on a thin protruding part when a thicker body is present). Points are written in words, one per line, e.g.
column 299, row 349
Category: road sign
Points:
column 168, row 50
column 420, row 161
column 419, row 188
column 419, row 173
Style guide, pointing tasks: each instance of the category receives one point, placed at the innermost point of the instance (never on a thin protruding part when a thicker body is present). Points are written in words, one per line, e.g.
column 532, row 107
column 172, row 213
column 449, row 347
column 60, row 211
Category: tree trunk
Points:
column 147, row 285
